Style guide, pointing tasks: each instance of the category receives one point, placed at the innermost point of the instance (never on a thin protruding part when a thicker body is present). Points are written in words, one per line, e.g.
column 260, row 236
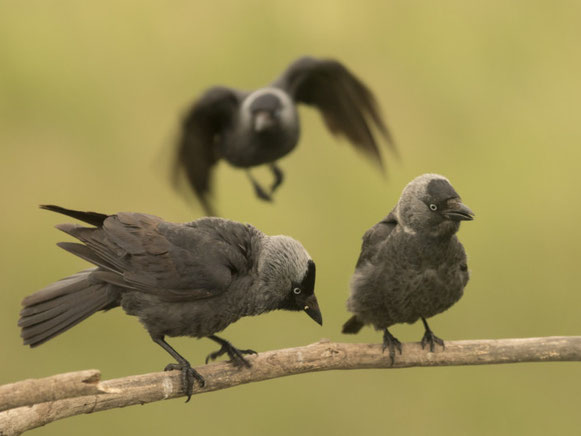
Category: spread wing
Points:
column 196, row 153
column 374, row 236
column 176, row 262
column 346, row 103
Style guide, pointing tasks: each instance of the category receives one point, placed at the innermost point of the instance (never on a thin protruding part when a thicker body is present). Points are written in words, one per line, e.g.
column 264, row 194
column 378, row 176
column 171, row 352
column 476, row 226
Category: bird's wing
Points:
column 374, row 236
column 196, row 153
column 346, row 103
column 176, row 262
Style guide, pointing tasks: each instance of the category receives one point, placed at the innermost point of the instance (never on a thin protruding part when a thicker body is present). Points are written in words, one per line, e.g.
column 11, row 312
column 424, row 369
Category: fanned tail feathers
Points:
column 61, row 305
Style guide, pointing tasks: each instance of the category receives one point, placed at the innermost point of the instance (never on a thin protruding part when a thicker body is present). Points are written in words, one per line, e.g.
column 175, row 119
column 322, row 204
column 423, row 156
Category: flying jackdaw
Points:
column 190, row 279
column 252, row 128
column 412, row 266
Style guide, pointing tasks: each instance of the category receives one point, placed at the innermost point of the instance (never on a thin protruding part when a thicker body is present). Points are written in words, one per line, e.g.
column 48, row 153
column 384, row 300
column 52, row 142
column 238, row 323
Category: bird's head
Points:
column 430, row 205
column 268, row 109
column 287, row 272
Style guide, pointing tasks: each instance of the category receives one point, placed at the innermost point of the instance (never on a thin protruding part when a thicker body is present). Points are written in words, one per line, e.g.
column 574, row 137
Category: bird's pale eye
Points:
column 433, row 207
column 297, row 291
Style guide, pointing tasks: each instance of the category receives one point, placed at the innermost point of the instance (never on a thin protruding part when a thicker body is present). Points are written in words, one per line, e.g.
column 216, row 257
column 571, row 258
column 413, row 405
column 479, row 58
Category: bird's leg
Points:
column 258, row 190
column 430, row 337
column 391, row 342
column 236, row 355
column 188, row 373
column 278, row 177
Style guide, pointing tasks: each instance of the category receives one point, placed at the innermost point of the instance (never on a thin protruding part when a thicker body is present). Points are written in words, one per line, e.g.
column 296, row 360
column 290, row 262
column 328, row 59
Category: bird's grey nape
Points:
column 282, row 258
column 286, row 110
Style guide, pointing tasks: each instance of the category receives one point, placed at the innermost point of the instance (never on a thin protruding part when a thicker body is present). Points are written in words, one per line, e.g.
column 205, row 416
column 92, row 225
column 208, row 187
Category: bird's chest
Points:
column 431, row 279
column 246, row 148
column 436, row 290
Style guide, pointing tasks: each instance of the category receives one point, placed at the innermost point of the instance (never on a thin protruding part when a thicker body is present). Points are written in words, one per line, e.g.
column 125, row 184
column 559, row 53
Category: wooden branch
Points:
column 33, row 403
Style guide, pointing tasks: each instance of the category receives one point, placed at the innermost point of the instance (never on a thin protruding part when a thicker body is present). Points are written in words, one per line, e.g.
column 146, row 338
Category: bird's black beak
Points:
column 312, row 309
column 263, row 120
column 458, row 211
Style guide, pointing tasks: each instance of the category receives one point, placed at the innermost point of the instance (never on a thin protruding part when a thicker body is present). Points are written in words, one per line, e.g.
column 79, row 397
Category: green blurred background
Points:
column 486, row 93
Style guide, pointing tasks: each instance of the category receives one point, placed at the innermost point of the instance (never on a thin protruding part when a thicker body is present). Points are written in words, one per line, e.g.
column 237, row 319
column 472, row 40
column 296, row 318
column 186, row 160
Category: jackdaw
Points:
column 412, row 266
column 252, row 128
column 190, row 279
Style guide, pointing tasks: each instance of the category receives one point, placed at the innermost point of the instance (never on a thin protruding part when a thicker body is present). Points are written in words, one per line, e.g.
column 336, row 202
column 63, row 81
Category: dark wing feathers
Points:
column 346, row 104
column 196, row 153
column 177, row 262
column 87, row 254
column 374, row 236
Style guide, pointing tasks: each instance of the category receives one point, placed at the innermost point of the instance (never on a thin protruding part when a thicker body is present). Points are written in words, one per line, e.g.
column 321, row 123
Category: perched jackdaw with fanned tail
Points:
column 252, row 128
column 190, row 279
column 411, row 265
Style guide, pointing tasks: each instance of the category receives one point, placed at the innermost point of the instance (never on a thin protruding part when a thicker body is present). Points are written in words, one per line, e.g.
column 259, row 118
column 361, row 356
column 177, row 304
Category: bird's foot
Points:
column 189, row 374
column 236, row 355
column 431, row 339
column 391, row 342
column 258, row 190
column 261, row 193
column 278, row 178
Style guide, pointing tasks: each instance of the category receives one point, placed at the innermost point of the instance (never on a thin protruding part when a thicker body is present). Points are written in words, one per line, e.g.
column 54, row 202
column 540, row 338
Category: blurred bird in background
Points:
column 190, row 279
column 412, row 266
column 252, row 128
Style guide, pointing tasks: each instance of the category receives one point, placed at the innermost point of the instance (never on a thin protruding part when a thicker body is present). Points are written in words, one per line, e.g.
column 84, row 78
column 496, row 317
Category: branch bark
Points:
column 33, row 403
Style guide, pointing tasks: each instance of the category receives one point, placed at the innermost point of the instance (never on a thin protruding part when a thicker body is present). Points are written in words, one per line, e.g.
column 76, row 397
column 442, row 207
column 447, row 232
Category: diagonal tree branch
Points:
column 33, row 403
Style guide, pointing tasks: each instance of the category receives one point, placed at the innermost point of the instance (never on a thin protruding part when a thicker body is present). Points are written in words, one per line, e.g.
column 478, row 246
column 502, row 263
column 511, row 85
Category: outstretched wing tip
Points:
column 349, row 108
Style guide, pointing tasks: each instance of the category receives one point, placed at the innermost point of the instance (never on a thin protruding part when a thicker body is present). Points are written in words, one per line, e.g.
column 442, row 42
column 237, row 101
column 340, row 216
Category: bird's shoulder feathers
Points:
column 375, row 236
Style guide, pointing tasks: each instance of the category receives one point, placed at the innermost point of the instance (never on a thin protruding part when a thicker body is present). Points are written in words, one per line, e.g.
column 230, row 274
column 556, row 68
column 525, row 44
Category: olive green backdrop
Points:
column 486, row 93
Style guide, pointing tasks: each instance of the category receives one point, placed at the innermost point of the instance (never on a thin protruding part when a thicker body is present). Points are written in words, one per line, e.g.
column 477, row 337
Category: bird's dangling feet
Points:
column 236, row 355
column 258, row 190
column 278, row 178
column 430, row 338
column 391, row 342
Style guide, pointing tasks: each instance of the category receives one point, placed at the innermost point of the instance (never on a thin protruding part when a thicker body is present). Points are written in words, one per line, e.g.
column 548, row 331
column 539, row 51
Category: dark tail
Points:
column 353, row 325
column 93, row 218
column 58, row 307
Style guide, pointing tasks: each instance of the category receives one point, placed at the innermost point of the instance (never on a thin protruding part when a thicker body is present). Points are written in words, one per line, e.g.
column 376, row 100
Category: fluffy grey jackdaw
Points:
column 251, row 128
column 411, row 265
column 189, row 279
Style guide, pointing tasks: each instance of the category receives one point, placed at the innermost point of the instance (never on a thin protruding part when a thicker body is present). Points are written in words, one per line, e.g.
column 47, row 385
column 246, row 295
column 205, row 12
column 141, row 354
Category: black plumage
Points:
column 412, row 266
column 190, row 279
column 248, row 129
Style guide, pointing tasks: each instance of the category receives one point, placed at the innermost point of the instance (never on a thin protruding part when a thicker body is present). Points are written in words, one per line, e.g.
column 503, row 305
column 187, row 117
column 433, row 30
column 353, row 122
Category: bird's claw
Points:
column 236, row 355
column 278, row 178
column 431, row 339
column 391, row 342
column 189, row 374
column 261, row 193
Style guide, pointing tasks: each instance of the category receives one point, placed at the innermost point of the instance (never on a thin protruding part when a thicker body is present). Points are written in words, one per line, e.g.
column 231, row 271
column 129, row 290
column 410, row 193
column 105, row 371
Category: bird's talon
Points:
column 236, row 356
column 172, row 367
column 278, row 178
column 391, row 342
column 431, row 339
column 188, row 376
column 261, row 193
